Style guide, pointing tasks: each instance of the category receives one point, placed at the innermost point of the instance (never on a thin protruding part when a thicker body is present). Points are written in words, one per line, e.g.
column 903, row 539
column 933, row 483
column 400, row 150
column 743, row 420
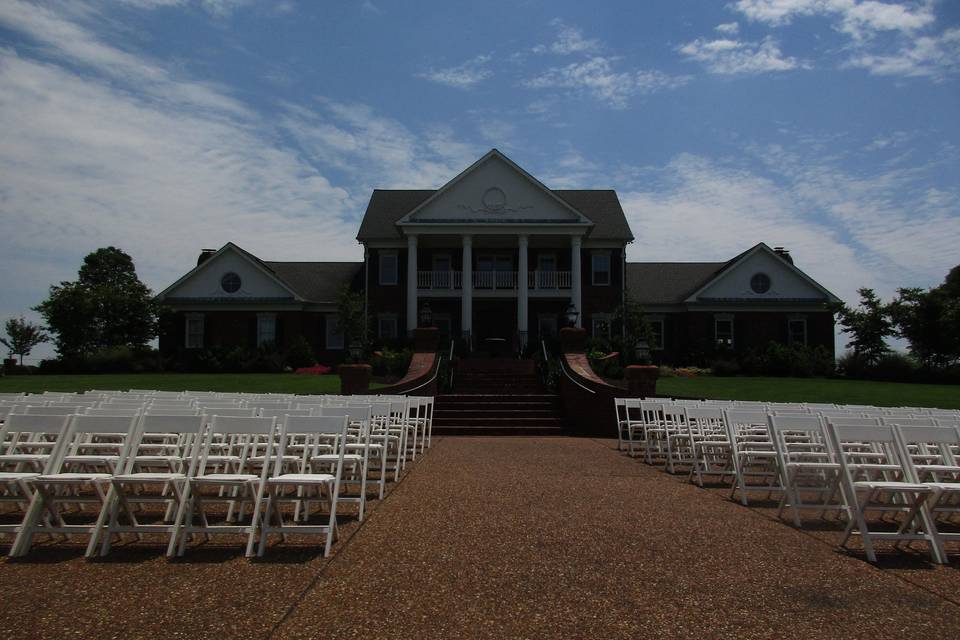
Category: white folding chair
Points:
column 77, row 478
column 359, row 447
column 306, row 485
column 752, row 453
column 240, row 489
column 709, row 443
column 876, row 479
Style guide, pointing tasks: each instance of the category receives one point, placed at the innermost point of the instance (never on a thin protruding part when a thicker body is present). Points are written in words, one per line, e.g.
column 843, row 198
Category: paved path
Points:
column 565, row 538
column 501, row 538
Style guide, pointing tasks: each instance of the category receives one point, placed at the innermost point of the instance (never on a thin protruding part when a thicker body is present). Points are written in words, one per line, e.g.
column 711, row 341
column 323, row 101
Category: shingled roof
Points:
column 600, row 206
column 316, row 281
column 668, row 282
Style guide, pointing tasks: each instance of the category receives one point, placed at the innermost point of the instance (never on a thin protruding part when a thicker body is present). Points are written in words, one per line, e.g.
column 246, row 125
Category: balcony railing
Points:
column 493, row 280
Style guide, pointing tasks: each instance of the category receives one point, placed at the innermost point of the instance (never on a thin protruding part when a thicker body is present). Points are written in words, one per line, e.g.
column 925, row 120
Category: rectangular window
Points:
column 600, row 325
column 656, row 333
column 388, row 268
column 547, row 262
column 194, row 331
column 600, row 266
column 723, row 332
column 797, row 331
column 387, row 326
column 266, row 328
column 334, row 337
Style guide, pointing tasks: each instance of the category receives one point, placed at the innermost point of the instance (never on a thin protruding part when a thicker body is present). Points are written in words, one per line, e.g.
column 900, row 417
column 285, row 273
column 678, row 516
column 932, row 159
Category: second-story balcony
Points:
column 493, row 280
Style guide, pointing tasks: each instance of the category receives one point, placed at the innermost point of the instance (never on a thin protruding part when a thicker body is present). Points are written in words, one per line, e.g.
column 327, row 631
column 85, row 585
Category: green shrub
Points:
column 725, row 368
column 390, row 362
column 300, row 354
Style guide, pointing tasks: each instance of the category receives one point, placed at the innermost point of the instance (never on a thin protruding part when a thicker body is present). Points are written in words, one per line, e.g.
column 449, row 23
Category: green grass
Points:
column 229, row 382
column 881, row 394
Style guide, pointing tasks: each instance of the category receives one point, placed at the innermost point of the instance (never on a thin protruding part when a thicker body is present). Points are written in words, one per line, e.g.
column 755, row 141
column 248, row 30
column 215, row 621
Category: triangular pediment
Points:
column 494, row 190
column 206, row 281
column 784, row 281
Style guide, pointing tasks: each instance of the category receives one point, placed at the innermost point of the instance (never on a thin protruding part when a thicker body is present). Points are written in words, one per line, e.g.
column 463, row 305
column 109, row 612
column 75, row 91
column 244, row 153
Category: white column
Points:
column 575, row 296
column 522, row 298
column 466, row 308
column 411, row 284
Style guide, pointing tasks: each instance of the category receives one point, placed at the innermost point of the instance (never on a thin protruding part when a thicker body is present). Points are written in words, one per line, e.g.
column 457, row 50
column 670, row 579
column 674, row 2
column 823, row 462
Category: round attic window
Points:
column 760, row 283
column 230, row 282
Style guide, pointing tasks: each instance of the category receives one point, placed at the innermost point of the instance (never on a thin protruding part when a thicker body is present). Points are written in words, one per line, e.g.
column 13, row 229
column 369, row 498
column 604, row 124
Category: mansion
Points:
column 497, row 257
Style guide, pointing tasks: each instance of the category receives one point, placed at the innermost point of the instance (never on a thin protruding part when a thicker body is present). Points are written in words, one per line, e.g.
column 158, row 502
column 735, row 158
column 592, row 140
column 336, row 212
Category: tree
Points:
column 869, row 325
column 351, row 319
column 930, row 321
column 635, row 326
column 107, row 306
column 22, row 337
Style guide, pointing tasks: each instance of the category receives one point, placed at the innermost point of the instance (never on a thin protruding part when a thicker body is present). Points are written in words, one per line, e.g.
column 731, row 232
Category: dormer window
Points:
column 230, row 282
column 760, row 283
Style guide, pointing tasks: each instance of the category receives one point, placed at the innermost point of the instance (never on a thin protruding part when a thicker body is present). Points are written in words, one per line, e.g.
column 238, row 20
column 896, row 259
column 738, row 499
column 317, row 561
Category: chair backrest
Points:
column 84, row 429
column 246, row 435
column 800, row 437
column 231, row 412
column 852, row 421
column 280, row 414
column 869, row 452
column 928, row 447
column 355, row 414
column 903, row 421
column 113, row 411
column 21, row 430
column 53, row 411
column 703, row 420
column 188, row 429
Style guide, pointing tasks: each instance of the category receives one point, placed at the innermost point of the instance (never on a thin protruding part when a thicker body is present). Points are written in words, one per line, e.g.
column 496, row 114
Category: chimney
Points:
column 205, row 255
column 783, row 253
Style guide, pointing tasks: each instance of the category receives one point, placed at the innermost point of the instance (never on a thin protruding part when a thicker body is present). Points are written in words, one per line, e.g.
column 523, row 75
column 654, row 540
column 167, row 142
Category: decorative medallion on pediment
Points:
column 494, row 201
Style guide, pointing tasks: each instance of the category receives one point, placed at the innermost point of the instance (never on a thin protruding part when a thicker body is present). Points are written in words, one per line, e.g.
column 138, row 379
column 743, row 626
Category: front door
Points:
column 495, row 320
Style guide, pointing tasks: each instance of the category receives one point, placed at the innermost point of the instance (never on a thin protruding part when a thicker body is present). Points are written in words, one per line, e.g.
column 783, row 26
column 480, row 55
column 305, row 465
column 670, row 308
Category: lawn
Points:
column 239, row 382
column 881, row 394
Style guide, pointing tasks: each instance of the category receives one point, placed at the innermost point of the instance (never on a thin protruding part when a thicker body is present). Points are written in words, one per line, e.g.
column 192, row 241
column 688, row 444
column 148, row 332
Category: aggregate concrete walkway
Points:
column 566, row 538
column 501, row 538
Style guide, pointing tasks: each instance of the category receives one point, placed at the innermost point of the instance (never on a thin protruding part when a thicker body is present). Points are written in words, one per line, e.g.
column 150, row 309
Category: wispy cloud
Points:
column 858, row 19
column 728, row 28
column 731, row 57
column 598, row 78
column 569, row 40
column 461, row 76
column 929, row 56
column 216, row 7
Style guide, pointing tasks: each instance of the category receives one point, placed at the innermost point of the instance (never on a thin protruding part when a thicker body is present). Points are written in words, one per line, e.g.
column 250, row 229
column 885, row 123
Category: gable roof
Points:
column 762, row 247
column 389, row 206
column 668, row 282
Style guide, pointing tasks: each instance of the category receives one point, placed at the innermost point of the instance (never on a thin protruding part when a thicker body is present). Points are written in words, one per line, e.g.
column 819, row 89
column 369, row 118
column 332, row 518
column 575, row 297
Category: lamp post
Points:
column 570, row 315
column 642, row 350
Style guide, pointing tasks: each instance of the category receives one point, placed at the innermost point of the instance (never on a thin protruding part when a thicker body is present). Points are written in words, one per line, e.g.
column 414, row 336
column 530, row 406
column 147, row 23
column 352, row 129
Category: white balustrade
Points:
column 549, row 280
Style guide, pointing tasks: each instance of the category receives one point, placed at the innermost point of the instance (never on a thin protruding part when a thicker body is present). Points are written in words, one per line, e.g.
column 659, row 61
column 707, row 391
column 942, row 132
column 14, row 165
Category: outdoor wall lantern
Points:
column 642, row 350
column 426, row 315
column 570, row 315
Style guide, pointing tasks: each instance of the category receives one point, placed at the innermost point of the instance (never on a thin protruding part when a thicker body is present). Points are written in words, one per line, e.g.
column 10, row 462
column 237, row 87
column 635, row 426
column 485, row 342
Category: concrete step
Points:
column 505, row 423
column 465, row 430
column 493, row 411
column 495, row 397
column 510, row 405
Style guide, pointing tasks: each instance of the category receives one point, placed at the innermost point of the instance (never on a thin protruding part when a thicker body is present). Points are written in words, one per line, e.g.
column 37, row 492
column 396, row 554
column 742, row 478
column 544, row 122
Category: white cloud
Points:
column 216, row 7
column 598, row 78
column 889, row 141
column 461, row 76
column 729, row 57
column 569, row 40
column 856, row 18
column 728, row 28
column 928, row 56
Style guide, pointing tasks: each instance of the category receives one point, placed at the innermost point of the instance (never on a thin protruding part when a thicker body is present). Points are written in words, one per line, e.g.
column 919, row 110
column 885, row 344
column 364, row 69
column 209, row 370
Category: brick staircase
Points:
column 497, row 396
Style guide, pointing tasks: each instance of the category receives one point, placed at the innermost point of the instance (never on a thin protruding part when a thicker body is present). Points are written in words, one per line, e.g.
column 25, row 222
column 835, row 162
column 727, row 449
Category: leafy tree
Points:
column 22, row 337
column 351, row 319
column 107, row 306
column 635, row 326
column 869, row 325
column 930, row 321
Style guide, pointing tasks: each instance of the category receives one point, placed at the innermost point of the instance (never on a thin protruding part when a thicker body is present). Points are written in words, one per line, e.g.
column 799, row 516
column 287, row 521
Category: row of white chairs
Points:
column 819, row 458
column 121, row 463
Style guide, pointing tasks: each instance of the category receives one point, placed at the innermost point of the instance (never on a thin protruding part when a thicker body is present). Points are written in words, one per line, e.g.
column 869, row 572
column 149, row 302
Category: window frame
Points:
column 264, row 320
column 389, row 317
column 658, row 345
column 790, row 340
column 383, row 257
column 594, row 255
column 729, row 344
column 333, row 340
column 193, row 318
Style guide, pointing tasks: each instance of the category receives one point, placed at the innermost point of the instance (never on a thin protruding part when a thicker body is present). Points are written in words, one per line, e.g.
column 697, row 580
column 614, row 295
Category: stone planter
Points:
column 642, row 380
column 355, row 379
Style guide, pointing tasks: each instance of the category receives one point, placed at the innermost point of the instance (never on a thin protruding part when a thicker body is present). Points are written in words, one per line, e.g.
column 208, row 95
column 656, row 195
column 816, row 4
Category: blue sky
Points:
column 167, row 126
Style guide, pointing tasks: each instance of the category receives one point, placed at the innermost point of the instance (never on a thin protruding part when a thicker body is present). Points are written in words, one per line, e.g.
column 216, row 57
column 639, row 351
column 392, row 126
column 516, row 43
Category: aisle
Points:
column 562, row 537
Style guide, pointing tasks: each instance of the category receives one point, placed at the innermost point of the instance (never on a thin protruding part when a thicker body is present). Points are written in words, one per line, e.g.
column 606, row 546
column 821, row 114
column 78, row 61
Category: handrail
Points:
column 543, row 345
column 564, row 369
column 453, row 344
column 436, row 372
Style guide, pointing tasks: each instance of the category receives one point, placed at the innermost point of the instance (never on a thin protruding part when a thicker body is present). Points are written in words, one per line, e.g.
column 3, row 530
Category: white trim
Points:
column 263, row 322
column 493, row 153
column 396, row 268
column 246, row 255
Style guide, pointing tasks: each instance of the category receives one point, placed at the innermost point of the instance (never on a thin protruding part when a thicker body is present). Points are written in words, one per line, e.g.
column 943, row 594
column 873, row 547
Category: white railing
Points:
column 548, row 279
column 439, row 279
column 494, row 279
